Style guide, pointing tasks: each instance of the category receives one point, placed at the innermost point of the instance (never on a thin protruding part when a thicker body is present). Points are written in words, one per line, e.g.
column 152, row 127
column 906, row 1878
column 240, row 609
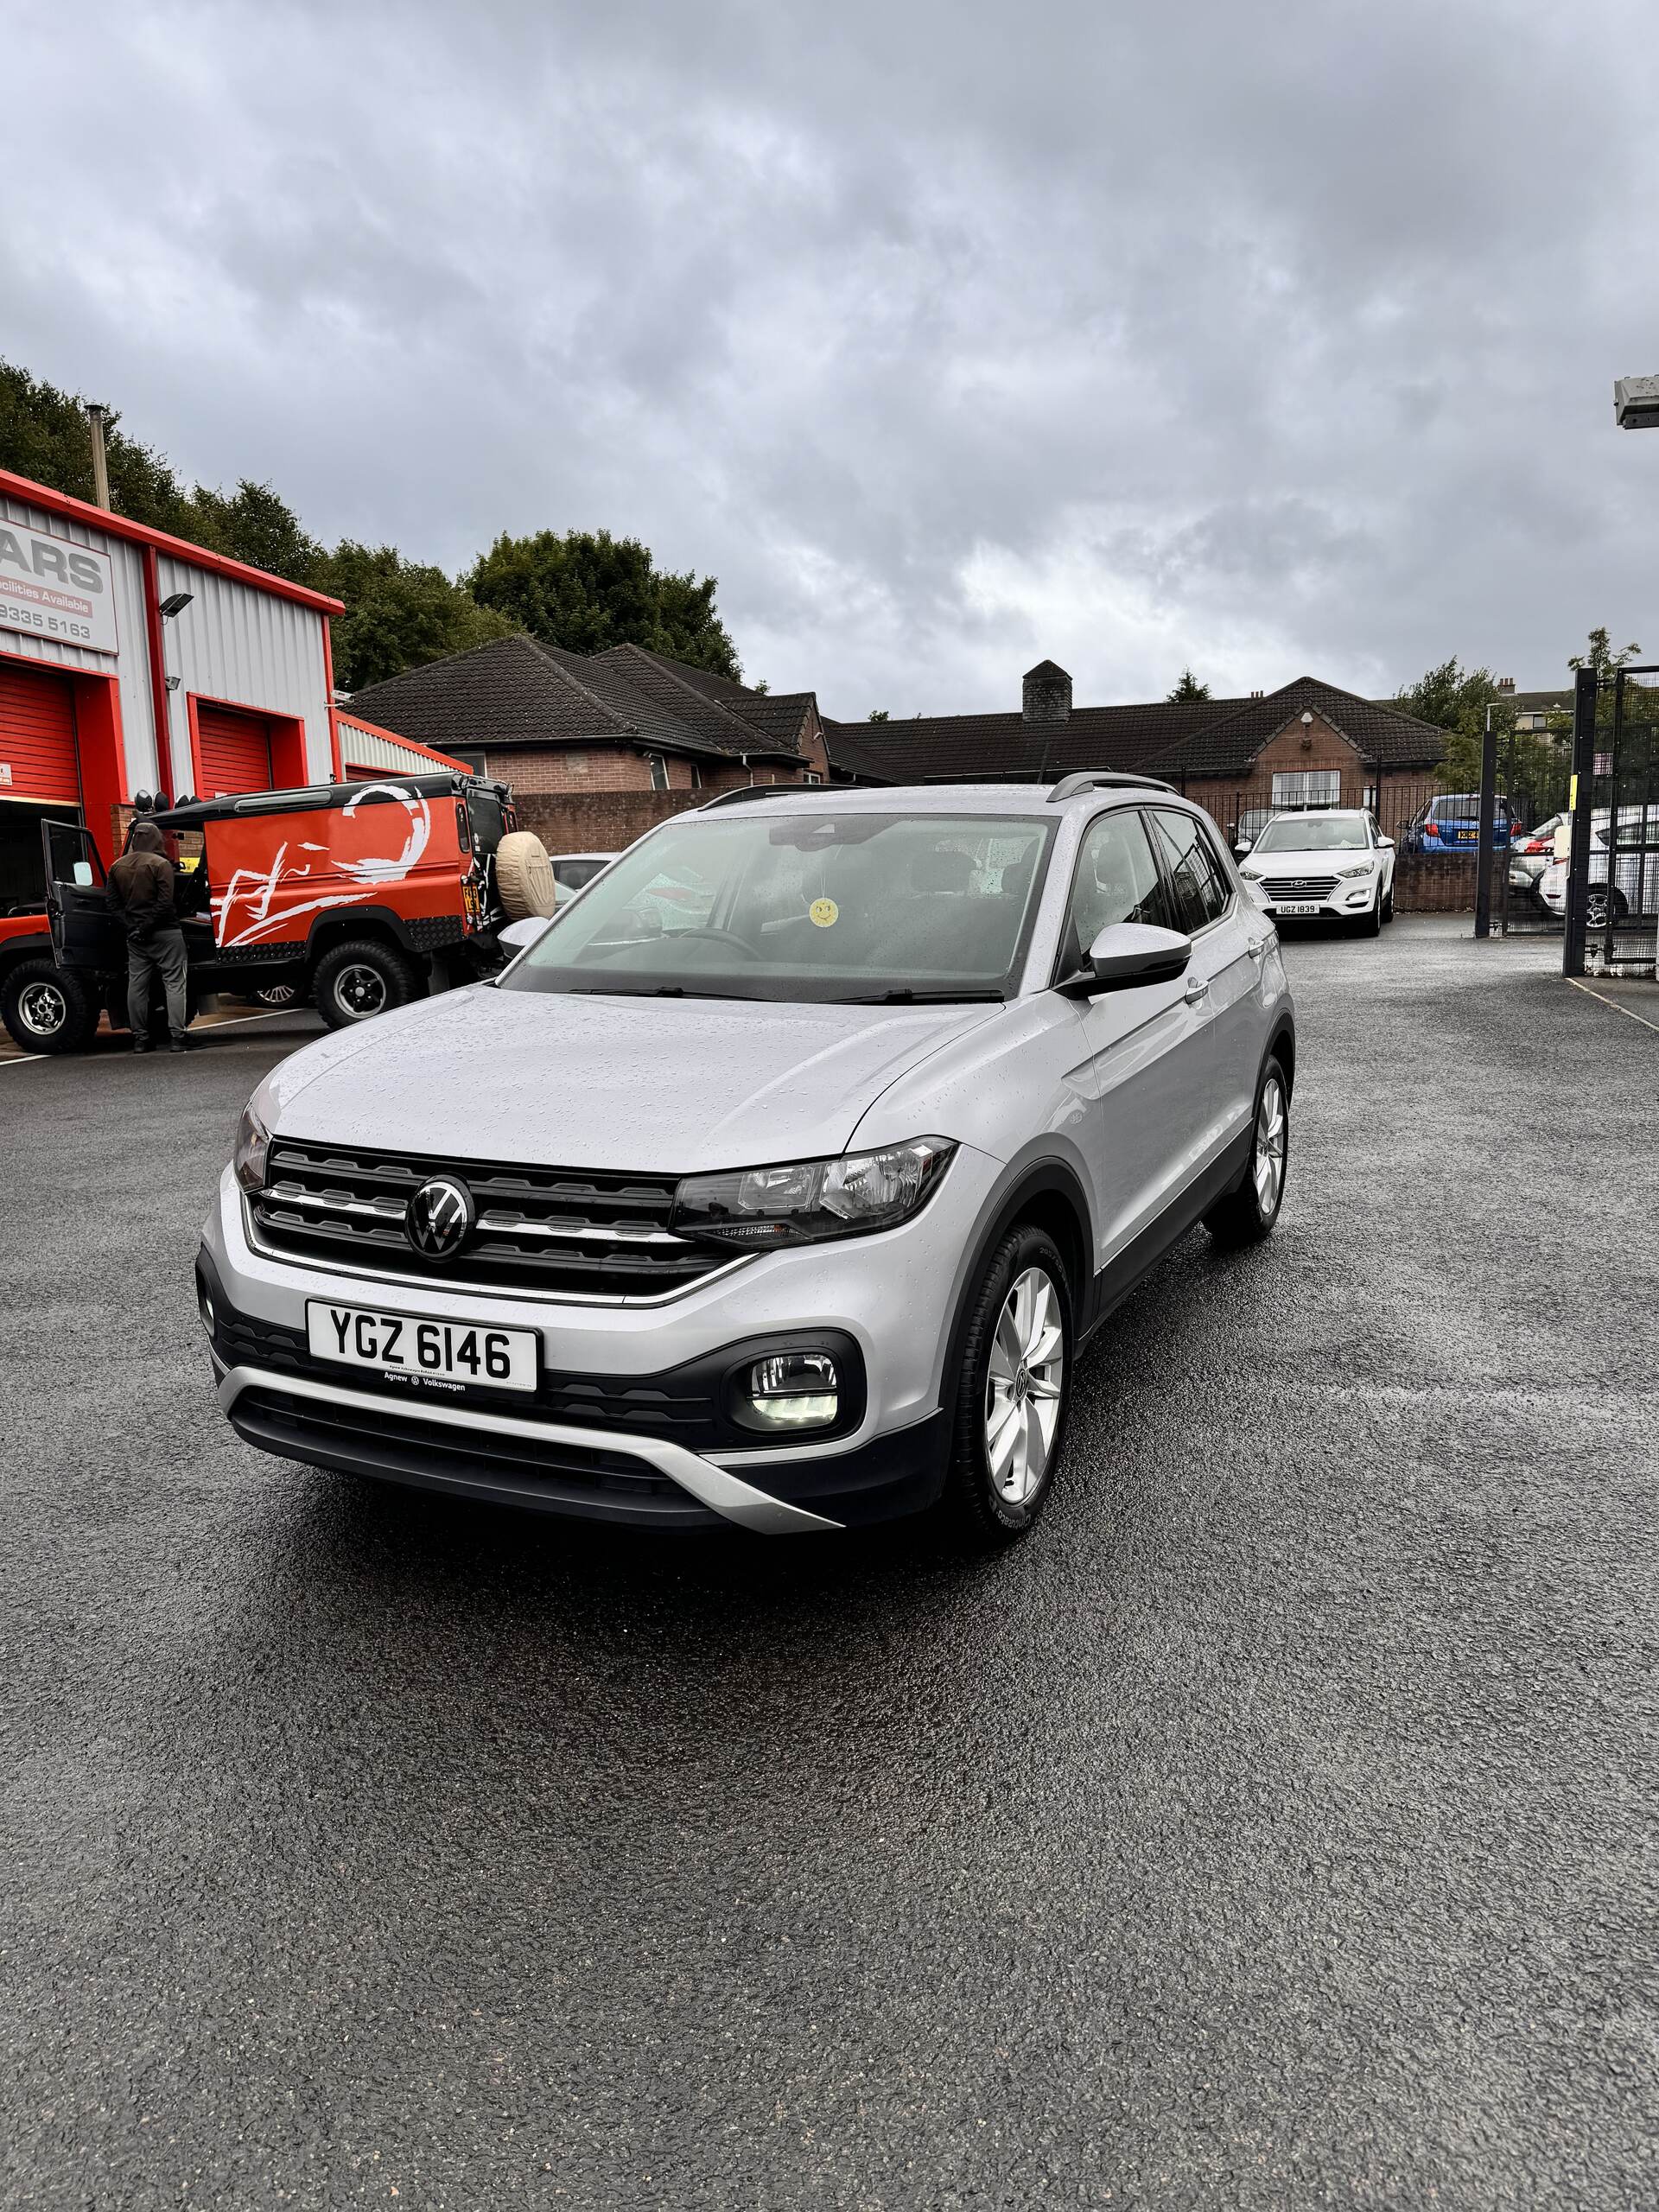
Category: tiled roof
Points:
column 727, row 714
column 1227, row 745
column 930, row 747
column 517, row 691
column 845, row 743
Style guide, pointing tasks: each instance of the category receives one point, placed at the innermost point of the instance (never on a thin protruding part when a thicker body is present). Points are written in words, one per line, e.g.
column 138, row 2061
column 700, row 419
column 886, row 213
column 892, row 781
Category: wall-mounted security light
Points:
column 1636, row 403
column 174, row 603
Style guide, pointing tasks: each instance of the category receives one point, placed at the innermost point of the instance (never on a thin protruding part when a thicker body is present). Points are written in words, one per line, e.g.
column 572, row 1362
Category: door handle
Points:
column 1197, row 986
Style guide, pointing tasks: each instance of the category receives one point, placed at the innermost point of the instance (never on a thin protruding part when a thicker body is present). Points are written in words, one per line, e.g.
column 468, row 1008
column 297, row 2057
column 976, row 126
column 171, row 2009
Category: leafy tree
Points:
column 44, row 435
column 877, row 714
column 587, row 590
column 398, row 613
column 253, row 525
column 1188, row 688
column 1456, row 699
column 1600, row 656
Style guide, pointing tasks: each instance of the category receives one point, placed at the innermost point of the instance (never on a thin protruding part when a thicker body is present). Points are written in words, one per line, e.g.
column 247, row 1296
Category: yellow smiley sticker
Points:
column 824, row 912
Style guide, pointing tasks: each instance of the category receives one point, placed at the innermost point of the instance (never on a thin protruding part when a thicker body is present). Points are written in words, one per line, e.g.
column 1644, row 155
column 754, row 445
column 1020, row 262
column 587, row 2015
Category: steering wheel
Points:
column 721, row 936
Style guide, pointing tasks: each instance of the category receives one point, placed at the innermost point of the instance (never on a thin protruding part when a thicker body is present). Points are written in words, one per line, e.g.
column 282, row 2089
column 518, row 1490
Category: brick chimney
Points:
column 1047, row 694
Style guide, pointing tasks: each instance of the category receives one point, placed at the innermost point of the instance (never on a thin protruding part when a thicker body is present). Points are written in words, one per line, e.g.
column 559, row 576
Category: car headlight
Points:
column 1364, row 869
column 808, row 1200
column 1252, row 875
column 252, row 1145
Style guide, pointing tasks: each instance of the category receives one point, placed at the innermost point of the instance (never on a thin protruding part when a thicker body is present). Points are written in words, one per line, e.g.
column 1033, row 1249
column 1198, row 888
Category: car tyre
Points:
column 1388, row 904
column 1595, row 907
column 1011, row 1394
column 524, row 877
column 1248, row 1210
column 355, row 981
column 46, row 1008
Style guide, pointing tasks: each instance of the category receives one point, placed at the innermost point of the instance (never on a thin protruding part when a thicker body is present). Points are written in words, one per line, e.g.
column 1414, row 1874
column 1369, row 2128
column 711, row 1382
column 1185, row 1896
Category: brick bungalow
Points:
column 1307, row 743
column 599, row 747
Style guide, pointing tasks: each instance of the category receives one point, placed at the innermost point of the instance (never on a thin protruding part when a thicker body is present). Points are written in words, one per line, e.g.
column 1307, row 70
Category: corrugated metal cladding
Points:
column 131, row 666
column 373, row 748
column 245, row 648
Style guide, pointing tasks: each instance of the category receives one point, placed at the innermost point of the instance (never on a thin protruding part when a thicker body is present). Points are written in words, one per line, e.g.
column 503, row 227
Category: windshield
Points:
column 1315, row 833
column 853, row 907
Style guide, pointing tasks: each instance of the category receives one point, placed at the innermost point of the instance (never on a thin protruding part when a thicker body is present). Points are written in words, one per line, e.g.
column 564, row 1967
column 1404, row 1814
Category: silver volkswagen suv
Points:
column 781, row 1179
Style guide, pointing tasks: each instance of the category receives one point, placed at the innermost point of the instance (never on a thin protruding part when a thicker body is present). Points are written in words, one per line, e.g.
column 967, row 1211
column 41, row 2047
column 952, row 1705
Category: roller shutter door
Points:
column 235, row 752
column 37, row 736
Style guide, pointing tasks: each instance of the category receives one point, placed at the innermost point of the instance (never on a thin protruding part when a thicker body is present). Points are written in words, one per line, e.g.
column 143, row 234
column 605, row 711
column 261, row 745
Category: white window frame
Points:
column 1293, row 789
column 656, row 769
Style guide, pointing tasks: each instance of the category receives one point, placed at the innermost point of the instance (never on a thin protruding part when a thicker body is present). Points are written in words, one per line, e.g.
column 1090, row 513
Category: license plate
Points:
column 1296, row 907
column 449, row 1354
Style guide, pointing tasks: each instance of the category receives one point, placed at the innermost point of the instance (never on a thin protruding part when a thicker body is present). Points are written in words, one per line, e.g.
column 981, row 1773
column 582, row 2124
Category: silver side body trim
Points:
column 714, row 1487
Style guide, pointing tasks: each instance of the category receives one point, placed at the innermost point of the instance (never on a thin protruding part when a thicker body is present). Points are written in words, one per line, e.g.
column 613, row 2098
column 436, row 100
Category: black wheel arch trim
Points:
column 341, row 924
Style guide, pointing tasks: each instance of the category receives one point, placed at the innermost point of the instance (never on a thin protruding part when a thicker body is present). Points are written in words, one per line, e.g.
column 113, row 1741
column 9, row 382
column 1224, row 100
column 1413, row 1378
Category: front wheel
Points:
column 1388, row 904
column 1012, row 1392
column 47, row 1009
column 1596, row 913
column 1248, row 1210
column 356, row 982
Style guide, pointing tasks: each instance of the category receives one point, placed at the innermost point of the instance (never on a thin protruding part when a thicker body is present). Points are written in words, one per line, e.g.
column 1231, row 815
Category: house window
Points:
column 812, row 777
column 1295, row 787
column 696, row 777
column 659, row 768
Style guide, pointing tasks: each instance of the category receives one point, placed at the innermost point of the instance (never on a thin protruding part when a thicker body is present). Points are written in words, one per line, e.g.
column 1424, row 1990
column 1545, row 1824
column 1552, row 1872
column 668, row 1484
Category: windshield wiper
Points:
column 654, row 991
column 907, row 997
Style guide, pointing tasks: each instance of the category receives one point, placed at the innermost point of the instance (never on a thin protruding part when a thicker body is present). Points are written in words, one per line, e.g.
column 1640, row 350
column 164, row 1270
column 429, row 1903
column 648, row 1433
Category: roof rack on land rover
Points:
column 1092, row 780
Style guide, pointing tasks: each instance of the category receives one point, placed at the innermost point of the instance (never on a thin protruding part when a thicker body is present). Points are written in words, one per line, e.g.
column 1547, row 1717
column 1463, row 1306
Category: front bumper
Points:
column 1343, row 904
column 890, row 1298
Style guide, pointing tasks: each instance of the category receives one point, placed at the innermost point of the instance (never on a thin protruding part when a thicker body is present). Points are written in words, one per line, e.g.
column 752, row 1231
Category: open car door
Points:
column 85, row 932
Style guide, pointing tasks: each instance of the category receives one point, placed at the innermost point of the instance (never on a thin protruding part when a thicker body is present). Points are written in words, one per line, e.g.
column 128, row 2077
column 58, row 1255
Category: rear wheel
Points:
column 47, row 1009
column 1596, row 916
column 1012, row 1392
column 355, row 981
column 1248, row 1212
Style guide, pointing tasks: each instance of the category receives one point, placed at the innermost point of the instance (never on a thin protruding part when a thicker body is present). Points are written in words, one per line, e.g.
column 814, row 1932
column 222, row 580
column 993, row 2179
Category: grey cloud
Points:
column 1262, row 340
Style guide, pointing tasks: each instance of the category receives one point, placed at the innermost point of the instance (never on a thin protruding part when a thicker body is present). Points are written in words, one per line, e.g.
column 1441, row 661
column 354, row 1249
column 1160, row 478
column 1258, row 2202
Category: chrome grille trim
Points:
column 1298, row 886
column 565, row 1231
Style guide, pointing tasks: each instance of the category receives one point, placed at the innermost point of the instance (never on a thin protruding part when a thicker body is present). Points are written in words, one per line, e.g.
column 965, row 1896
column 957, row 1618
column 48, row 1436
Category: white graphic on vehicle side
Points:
column 258, row 904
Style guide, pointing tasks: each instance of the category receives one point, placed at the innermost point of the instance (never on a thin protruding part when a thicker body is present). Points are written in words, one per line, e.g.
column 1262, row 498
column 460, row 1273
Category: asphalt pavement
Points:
column 1274, row 1828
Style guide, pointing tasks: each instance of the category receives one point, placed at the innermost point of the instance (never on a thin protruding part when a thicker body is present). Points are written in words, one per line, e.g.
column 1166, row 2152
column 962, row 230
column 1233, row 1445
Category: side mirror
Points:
column 1387, row 844
column 1243, row 846
column 1128, row 954
column 517, row 936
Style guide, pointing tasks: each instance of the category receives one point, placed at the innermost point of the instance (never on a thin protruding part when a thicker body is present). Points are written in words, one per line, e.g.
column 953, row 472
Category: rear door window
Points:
column 1197, row 881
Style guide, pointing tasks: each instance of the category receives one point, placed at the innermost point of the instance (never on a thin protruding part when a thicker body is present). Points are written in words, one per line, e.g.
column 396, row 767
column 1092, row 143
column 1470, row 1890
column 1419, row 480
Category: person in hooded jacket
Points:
column 149, row 893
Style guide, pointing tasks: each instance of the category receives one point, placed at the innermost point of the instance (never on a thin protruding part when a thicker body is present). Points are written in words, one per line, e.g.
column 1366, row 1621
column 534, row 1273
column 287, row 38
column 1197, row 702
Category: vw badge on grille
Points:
column 438, row 1218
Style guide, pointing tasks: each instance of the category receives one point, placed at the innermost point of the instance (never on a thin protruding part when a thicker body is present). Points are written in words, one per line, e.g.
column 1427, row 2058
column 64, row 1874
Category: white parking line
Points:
column 1603, row 1000
column 25, row 1060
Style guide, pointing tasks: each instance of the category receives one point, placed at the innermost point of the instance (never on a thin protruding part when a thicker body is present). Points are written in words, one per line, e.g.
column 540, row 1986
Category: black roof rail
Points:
column 1094, row 779
column 754, row 791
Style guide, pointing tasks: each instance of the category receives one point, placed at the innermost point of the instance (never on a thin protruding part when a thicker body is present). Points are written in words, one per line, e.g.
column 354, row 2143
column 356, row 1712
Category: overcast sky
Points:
column 1270, row 340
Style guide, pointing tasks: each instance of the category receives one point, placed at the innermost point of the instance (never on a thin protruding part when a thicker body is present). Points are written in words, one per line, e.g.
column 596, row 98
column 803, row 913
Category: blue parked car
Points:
column 1451, row 823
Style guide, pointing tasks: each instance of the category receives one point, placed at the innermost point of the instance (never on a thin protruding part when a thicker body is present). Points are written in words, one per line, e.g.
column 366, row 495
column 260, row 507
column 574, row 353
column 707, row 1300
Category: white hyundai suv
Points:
column 780, row 1179
column 1326, row 864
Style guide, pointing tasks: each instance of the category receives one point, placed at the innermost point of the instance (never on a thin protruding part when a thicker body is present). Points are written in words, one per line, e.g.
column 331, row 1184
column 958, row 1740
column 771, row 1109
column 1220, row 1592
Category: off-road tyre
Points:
column 46, row 1008
column 1246, row 1213
column 356, row 981
column 975, row 1509
column 524, row 877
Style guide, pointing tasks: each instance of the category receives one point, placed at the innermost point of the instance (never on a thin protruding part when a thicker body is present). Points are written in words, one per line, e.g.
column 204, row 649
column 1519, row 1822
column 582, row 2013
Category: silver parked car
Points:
column 781, row 1179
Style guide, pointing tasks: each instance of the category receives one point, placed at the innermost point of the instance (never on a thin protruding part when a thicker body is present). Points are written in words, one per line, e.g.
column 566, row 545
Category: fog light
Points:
column 791, row 1389
column 1359, row 898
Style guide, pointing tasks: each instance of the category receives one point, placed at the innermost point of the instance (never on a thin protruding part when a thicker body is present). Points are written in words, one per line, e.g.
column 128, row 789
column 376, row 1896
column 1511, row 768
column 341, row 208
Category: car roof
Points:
column 1037, row 800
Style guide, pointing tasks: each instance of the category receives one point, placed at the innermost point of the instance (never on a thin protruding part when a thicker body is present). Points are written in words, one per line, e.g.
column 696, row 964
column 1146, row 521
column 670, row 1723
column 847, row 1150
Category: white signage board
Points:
column 50, row 589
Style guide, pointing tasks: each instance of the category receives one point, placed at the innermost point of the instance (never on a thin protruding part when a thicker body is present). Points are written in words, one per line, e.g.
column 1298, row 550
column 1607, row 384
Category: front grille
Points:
column 1298, row 886
column 532, row 1471
column 669, row 1405
column 568, row 1232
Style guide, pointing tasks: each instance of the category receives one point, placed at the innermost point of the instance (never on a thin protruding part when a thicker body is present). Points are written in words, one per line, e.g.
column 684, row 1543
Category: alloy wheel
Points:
column 362, row 991
column 43, row 1009
column 1267, row 1164
column 1023, row 1385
